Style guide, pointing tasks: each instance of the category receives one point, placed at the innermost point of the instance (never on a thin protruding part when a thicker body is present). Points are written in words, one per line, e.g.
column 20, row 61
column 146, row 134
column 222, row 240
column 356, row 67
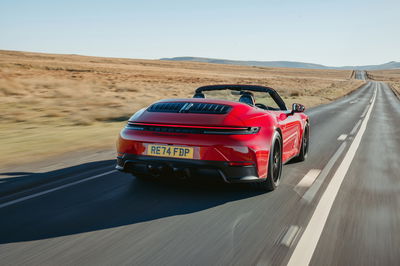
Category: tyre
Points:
column 305, row 142
column 274, row 166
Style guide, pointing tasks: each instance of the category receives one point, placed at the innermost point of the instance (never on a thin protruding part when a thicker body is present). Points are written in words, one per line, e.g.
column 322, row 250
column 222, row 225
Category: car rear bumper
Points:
column 186, row 168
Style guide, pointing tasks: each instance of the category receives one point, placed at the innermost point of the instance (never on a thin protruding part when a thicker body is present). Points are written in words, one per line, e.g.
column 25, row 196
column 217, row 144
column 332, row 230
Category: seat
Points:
column 247, row 98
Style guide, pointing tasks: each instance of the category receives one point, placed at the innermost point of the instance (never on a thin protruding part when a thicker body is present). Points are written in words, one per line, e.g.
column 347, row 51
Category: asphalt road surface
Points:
column 339, row 207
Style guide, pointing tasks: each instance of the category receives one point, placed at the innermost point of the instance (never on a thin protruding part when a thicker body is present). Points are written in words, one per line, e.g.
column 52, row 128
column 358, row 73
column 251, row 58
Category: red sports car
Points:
column 240, row 140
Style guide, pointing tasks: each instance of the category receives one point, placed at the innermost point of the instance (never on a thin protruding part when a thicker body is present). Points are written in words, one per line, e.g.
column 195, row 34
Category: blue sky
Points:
column 326, row 32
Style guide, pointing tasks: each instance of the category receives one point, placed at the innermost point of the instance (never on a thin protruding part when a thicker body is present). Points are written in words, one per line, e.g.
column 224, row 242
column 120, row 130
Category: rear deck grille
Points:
column 166, row 107
column 187, row 107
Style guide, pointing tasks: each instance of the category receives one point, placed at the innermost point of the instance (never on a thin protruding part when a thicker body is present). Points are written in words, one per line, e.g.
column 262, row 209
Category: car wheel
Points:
column 305, row 142
column 274, row 166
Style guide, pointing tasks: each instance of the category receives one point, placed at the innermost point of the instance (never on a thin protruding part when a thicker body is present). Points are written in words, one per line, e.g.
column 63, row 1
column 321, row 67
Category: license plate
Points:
column 170, row 151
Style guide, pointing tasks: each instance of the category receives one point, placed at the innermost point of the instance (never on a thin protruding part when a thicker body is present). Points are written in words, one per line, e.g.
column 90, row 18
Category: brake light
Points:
column 172, row 128
column 188, row 126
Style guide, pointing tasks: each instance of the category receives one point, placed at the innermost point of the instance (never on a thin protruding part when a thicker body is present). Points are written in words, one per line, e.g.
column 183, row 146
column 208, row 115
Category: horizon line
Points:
column 201, row 57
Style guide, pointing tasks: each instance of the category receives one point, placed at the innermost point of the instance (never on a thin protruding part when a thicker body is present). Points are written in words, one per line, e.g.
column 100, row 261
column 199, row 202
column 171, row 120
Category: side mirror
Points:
column 297, row 108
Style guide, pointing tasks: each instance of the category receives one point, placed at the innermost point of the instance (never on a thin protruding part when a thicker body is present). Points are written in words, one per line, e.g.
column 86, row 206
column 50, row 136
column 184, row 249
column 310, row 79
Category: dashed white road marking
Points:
column 364, row 112
column 309, row 195
column 342, row 137
column 353, row 131
column 290, row 235
column 308, row 179
column 54, row 189
column 304, row 250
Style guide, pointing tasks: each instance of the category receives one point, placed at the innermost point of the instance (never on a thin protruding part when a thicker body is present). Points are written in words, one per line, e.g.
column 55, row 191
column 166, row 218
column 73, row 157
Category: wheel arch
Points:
column 280, row 134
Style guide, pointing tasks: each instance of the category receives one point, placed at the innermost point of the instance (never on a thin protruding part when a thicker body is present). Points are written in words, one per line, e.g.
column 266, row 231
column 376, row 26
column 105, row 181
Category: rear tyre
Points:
column 304, row 144
column 274, row 166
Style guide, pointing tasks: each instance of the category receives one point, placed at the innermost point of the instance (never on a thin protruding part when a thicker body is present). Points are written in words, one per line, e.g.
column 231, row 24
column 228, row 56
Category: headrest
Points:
column 199, row 95
column 247, row 97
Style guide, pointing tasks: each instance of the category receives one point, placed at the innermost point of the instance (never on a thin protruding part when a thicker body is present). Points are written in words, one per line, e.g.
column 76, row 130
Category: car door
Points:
column 290, row 127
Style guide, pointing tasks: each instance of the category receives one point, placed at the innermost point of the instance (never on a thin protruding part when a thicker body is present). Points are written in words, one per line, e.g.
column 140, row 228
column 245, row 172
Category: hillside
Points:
column 284, row 64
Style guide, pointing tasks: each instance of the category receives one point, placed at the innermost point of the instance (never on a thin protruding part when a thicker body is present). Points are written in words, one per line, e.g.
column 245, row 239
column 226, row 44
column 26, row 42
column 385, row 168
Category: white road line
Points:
column 364, row 112
column 308, row 179
column 304, row 250
column 312, row 191
column 54, row 189
column 353, row 131
column 342, row 137
column 290, row 235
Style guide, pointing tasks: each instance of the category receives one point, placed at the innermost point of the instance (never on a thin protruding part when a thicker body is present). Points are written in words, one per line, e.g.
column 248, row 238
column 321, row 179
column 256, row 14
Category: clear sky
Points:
column 353, row 32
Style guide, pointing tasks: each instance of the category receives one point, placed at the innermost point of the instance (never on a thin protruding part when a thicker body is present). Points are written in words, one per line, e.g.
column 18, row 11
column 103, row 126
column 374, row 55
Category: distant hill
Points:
column 389, row 65
column 288, row 64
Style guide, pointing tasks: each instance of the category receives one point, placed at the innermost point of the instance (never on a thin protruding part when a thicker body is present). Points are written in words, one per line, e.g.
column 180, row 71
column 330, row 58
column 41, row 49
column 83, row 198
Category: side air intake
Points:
column 187, row 107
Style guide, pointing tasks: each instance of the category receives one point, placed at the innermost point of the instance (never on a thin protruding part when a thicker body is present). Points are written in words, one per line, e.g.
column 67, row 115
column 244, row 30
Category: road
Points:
column 339, row 207
column 361, row 75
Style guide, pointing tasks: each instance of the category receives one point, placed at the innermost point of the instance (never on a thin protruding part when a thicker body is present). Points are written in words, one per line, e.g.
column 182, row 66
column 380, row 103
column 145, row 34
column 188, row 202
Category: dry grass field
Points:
column 392, row 77
column 52, row 104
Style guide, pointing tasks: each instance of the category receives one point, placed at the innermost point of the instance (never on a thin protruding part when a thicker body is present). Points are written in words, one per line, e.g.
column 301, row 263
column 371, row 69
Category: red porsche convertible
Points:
column 244, row 138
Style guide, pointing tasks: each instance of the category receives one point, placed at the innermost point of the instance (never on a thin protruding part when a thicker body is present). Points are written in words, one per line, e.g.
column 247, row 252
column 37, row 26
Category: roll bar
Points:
column 236, row 87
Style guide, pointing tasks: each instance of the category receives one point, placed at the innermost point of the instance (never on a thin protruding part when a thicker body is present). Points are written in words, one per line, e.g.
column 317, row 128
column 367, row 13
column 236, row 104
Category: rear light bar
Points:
column 170, row 128
column 188, row 126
